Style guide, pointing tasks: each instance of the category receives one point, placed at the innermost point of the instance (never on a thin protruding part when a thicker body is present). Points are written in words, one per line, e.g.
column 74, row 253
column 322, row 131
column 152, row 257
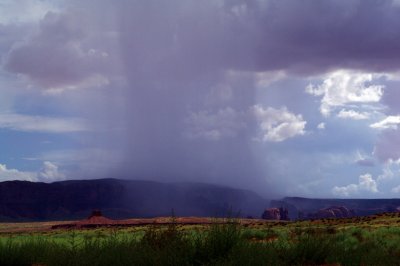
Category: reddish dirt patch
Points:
column 95, row 221
column 101, row 221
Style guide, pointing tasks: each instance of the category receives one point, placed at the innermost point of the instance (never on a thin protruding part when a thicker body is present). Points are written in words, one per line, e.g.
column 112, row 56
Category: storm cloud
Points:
column 174, row 87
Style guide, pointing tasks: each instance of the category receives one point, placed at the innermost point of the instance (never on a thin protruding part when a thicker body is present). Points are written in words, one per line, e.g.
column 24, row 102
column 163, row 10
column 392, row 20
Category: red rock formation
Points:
column 271, row 214
column 275, row 214
column 96, row 218
column 95, row 213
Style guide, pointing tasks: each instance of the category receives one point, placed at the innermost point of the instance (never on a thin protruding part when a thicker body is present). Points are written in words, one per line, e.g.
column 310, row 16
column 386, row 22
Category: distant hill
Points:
column 361, row 207
column 30, row 201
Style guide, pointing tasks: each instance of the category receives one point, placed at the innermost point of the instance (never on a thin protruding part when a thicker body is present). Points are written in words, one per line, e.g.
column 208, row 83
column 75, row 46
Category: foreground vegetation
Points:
column 358, row 241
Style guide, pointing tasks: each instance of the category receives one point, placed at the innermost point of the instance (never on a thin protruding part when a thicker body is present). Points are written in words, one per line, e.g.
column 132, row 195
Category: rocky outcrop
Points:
column 332, row 212
column 300, row 208
column 275, row 214
column 293, row 212
column 96, row 218
column 271, row 214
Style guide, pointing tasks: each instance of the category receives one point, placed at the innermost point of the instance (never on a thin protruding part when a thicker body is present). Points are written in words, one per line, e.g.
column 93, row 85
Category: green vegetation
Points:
column 358, row 241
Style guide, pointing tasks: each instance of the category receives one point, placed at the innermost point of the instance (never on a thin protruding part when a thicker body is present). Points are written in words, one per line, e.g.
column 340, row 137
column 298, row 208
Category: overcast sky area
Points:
column 282, row 97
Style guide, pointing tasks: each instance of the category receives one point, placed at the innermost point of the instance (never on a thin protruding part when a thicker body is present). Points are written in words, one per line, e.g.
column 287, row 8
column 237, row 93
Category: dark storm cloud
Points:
column 60, row 52
column 313, row 36
column 163, row 59
column 206, row 36
column 301, row 36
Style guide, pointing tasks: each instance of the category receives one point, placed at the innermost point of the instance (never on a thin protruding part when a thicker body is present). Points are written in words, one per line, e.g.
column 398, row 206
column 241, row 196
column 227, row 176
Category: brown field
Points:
column 380, row 220
column 33, row 227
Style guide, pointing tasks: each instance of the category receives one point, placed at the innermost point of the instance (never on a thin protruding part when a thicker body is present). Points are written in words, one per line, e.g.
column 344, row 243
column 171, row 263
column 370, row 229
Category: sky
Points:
column 282, row 97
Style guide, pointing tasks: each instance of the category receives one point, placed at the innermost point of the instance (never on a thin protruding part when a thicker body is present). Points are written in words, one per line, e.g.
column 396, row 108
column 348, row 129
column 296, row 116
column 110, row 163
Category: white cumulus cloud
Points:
column 23, row 11
column 352, row 114
column 390, row 122
column 278, row 124
column 7, row 174
column 345, row 191
column 50, row 173
column 275, row 125
column 344, row 87
column 365, row 183
column 29, row 123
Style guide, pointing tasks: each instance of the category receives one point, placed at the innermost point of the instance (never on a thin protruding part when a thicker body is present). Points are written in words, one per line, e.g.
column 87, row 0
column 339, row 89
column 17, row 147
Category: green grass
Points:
column 366, row 241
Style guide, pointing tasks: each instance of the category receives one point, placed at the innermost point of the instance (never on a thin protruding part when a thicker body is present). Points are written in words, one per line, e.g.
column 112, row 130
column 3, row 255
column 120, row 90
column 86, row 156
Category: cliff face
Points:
column 332, row 212
column 275, row 214
column 271, row 214
column 306, row 208
column 21, row 200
